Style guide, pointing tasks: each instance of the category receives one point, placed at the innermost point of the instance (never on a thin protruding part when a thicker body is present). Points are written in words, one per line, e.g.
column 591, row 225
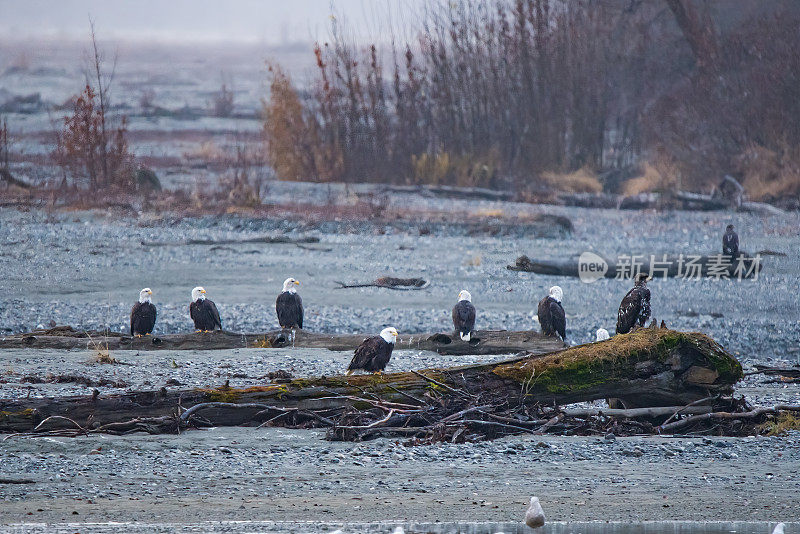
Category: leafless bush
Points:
column 245, row 182
column 92, row 146
column 222, row 104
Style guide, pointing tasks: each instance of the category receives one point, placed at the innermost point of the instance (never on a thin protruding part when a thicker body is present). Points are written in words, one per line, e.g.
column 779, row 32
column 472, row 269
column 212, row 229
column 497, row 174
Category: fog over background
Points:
column 267, row 22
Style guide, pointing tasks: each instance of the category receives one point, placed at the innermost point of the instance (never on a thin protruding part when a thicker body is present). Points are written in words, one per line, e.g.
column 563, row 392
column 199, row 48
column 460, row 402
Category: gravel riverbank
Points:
column 86, row 268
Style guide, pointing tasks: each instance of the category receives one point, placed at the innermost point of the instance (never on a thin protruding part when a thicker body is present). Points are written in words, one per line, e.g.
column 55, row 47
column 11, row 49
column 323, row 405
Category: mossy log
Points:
column 482, row 342
column 661, row 266
column 650, row 367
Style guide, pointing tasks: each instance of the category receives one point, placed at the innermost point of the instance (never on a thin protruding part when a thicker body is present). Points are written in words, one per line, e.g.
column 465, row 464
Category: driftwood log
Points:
column 657, row 265
column 267, row 239
column 390, row 282
column 650, row 367
column 482, row 342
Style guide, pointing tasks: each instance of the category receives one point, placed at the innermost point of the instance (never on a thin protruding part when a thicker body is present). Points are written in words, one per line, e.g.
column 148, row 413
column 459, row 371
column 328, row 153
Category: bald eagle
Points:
column 203, row 311
column 635, row 307
column 289, row 306
column 464, row 315
column 551, row 314
column 143, row 314
column 373, row 354
column 730, row 242
column 601, row 334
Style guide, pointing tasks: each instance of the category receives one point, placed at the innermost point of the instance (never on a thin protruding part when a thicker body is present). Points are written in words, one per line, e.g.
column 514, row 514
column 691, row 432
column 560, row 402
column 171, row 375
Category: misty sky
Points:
column 258, row 21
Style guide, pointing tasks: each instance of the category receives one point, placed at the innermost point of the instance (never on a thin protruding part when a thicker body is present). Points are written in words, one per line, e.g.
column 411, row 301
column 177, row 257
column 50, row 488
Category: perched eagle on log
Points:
column 464, row 315
column 203, row 311
column 730, row 242
column 551, row 314
column 634, row 310
column 289, row 306
column 374, row 352
column 143, row 314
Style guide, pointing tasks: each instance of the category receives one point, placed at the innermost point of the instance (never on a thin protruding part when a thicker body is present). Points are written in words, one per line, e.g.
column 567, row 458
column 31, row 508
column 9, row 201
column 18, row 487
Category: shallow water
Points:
column 650, row 527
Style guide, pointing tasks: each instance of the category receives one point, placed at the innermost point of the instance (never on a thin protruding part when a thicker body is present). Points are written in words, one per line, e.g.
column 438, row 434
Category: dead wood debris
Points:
column 436, row 418
column 390, row 282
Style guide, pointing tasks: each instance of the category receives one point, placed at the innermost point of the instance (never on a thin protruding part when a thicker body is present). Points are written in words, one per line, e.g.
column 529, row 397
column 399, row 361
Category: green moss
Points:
column 590, row 365
column 27, row 413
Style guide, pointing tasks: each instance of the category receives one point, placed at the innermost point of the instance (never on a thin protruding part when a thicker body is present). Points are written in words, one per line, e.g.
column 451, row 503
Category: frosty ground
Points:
column 86, row 268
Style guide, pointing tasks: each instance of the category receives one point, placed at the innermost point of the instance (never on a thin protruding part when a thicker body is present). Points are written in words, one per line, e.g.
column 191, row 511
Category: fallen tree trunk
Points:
column 716, row 266
column 650, row 367
column 482, row 342
column 390, row 282
column 269, row 239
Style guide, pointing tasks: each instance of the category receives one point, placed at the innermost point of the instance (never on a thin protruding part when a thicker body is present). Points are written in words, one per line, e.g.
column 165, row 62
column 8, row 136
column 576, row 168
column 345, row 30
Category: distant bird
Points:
column 289, row 306
column 203, row 311
column 634, row 310
column 551, row 314
column 373, row 354
column 601, row 334
column 464, row 315
column 779, row 528
column 534, row 516
column 143, row 314
column 663, row 325
column 730, row 242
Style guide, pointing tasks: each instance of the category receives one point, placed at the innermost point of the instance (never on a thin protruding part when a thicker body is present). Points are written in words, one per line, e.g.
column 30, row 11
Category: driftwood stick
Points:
column 441, row 385
column 59, row 417
column 465, row 412
column 683, row 410
column 406, row 395
column 388, row 282
column 261, row 239
column 535, row 422
column 318, row 417
column 371, row 425
column 268, row 421
column 634, row 413
column 495, row 424
column 227, row 405
column 552, row 422
column 752, row 414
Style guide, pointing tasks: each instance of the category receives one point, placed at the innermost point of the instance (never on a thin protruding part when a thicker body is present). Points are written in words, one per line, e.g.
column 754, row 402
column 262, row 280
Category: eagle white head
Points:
column 198, row 293
column 464, row 295
column 145, row 295
column 602, row 334
column 779, row 528
column 389, row 335
column 289, row 285
column 556, row 293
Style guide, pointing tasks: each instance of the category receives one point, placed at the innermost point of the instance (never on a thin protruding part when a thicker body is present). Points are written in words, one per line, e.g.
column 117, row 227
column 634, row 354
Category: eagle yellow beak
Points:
column 296, row 282
column 202, row 291
column 150, row 292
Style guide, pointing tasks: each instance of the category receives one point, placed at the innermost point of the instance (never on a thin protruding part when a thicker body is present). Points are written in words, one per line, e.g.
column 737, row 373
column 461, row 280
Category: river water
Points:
column 252, row 527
